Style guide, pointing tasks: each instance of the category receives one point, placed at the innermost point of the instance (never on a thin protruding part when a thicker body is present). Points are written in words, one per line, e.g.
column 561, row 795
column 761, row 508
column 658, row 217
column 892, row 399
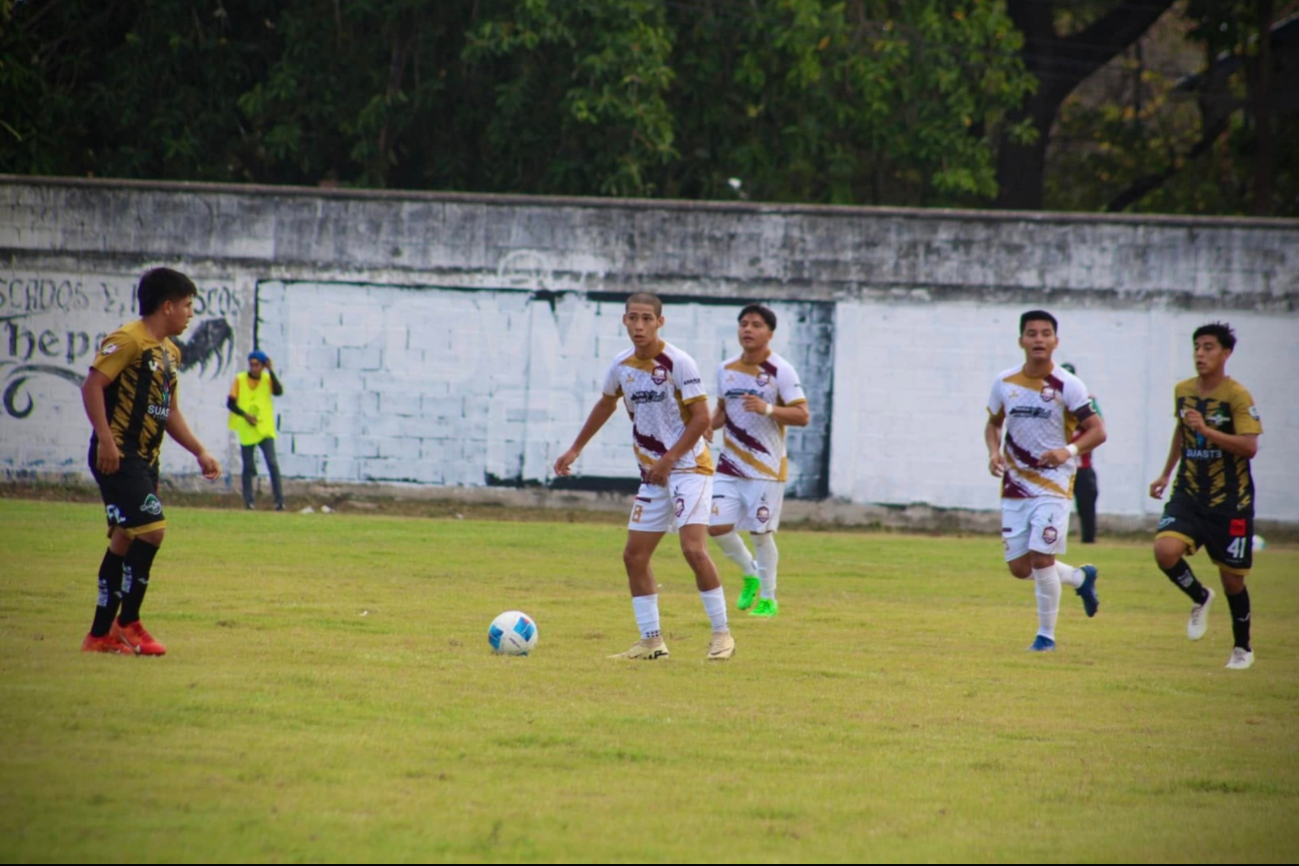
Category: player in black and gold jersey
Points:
column 130, row 398
column 1213, row 500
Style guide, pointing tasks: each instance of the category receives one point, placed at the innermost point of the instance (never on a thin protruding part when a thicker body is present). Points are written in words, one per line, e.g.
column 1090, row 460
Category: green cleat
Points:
column 749, row 593
column 767, row 607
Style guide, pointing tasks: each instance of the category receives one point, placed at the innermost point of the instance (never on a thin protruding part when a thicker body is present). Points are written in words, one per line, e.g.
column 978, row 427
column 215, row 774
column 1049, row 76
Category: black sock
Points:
column 110, row 593
column 1183, row 578
column 1240, row 617
column 135, row 579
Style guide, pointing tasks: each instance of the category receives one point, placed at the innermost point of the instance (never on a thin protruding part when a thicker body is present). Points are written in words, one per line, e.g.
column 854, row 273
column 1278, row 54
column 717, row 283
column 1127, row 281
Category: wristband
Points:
column 770, row 408
column 1072, row 449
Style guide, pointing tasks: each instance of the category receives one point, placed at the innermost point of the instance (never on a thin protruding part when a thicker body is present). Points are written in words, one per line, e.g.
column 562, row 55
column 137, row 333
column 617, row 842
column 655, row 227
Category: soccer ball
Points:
column 1259, row 543
column 513, row 633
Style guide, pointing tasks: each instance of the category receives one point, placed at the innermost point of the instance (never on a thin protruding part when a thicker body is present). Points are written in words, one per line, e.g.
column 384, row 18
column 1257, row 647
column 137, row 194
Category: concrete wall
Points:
column 446, row 339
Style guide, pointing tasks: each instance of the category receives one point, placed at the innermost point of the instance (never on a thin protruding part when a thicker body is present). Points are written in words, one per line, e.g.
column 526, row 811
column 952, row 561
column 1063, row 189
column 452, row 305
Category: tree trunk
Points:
column 1060, row 65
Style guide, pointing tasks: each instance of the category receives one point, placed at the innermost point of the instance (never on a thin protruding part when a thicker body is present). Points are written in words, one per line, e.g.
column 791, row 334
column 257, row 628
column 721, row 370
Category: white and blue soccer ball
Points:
column 1259, row 543
column 513, row 633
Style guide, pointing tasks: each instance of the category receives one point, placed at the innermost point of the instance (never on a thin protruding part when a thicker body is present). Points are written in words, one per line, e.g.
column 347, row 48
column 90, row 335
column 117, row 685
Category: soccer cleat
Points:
column 108, row 643
column 645, row 650
column 137, row 638
column 1042, row 644
column 1240, row 659
column 749, row 593
column 1198, row 624
column 1091, row 602
column 721, row 647
column 766, row 607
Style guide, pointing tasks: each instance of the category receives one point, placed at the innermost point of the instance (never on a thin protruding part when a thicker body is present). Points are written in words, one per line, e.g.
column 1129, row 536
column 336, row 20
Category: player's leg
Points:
column 646, row 527
column 1048, row 531
column 273, row 470
column 146, row 527
column 763, row 508
column 768, row 556
column 249, row 455
column 1178, row 537
column 692, row 496
column 109, row 600
column 1229, row 542
column 727, row 509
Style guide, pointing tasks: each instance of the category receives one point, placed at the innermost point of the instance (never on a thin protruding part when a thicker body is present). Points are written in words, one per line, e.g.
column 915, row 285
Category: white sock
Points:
column 1048, row 600
column 715, row 606
column 1069, row 576
column 733, row 546
column 764, row 546
column 646, row 608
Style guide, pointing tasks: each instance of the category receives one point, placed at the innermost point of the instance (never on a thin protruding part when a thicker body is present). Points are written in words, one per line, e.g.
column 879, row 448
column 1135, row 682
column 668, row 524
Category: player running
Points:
column 1215, row 438
column 1040, row 405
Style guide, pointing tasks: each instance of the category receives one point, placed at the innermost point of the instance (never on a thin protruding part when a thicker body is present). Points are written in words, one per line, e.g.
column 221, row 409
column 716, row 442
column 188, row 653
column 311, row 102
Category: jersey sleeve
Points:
column 996, row 408
column 1244, row 414
column 688, row 380
column 116, row 353
column 789, row 387
column 1079, row 402
column 721, row 380
column 612, row 385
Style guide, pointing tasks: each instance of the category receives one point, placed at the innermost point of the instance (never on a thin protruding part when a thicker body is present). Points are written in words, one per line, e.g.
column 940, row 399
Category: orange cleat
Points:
column 109, row 643
column 137, row 638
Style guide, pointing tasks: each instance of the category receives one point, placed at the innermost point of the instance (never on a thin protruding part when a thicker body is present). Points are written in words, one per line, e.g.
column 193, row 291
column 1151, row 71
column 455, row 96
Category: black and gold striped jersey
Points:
column 1215, row 479
column 143, row 375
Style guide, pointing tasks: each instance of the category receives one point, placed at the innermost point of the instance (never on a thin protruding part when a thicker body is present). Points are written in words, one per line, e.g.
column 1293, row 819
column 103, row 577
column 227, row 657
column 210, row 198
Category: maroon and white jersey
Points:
column 1038, row 415
column 753, row 445
column 657, row 393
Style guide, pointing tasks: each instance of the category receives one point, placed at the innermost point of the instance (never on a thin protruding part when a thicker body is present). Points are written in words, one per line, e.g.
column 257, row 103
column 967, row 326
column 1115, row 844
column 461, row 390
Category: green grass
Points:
column 340, row 703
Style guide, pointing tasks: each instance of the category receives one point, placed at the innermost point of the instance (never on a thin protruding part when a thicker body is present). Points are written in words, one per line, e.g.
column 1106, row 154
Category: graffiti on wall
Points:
column 50, row 328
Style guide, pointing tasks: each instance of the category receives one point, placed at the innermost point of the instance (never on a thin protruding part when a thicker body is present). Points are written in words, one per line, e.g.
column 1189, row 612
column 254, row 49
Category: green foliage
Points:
column 339, row 703
column 865, row 101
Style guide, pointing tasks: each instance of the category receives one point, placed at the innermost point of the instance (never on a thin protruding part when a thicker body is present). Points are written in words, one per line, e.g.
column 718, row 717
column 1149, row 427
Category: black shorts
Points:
column 1229, row 539
column 130, row 496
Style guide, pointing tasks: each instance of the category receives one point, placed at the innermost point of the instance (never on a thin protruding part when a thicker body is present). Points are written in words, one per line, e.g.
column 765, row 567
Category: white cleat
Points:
column 1240, row 659
column 1198, row 624
column 645, row 650
column 721, row 647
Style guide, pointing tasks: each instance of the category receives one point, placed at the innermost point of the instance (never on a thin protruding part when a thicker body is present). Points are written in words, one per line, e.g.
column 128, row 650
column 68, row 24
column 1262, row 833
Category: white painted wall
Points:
column 912, row 430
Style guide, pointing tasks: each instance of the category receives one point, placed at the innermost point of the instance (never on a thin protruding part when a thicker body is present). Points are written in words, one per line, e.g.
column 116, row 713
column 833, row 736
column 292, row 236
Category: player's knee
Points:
column 1168, row 552
column 152, row 538
column 1234, row 584
column 635, row 558
column 1020, row 568
column 715, row 531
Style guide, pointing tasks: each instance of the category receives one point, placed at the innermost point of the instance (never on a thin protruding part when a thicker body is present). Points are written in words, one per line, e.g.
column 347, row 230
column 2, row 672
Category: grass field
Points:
column 328, row 695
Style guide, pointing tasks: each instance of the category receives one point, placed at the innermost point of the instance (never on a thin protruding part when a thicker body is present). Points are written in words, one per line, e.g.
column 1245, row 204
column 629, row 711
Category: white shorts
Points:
column 1040, row 524
column 664, row 509
column 751, row 504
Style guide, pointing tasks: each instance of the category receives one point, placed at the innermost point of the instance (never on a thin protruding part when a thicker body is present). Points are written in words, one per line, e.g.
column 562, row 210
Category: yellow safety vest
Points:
column 253, row 396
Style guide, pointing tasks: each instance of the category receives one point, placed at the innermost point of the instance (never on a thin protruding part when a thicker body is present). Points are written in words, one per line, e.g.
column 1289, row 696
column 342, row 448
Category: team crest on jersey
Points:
column 1048, row 394
column 764, row 514
column 110, row 349
column 1049, row 535
column 764, row 377
column 151, row 505
column 1253, row 412
column 660, row 375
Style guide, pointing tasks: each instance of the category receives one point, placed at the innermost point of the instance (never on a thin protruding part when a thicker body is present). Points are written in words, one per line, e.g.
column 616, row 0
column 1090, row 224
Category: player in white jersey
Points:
column 758, row 396
column 1040, row 405
column 665, row 396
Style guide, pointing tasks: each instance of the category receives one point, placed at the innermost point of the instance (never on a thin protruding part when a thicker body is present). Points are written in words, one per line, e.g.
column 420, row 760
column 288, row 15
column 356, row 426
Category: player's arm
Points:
column 695, row 427
column 992, row 438
column 718, row 420
column 277, row 389
column 107, row 456
column 797, row 415
column 1160, row 484
column 178, row 429
column 1093, row 436
column 601, row 412
column 232, row 403
column 1241, row 444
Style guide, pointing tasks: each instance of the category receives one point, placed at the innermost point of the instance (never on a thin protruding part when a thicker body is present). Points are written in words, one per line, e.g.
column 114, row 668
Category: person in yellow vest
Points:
column 252, row 416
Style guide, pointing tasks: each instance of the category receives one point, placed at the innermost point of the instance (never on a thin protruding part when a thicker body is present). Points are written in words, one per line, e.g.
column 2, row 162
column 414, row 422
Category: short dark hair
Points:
column 1220, row 331
column 767, row 315
column 645, row 298
column 161, row 285
column 1037, row 316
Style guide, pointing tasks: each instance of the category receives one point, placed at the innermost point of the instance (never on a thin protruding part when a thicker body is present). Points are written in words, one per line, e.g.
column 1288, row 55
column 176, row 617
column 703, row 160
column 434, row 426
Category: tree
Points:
column 1060, row 63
